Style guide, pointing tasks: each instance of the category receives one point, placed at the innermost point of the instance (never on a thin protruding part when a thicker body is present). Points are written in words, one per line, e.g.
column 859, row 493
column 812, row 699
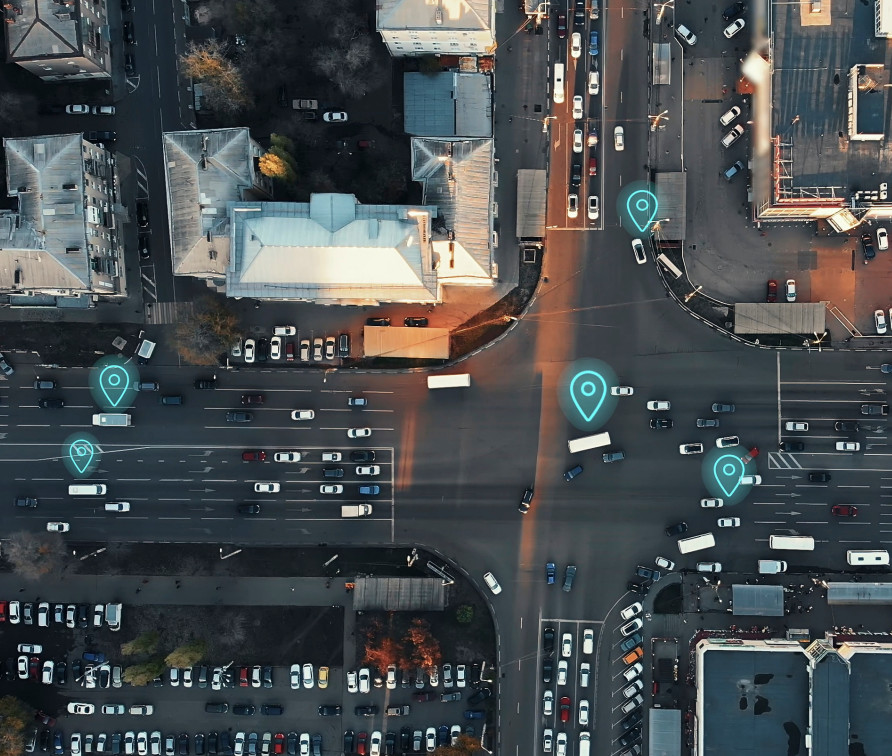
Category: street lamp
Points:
column 662, row 7
column 655, row 120
column 545, row 122
column 687, row 299
column 656, row 225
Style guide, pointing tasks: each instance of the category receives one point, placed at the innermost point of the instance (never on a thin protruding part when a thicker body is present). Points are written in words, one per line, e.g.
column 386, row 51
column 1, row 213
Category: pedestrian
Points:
column 138, row 590
column 178, row 586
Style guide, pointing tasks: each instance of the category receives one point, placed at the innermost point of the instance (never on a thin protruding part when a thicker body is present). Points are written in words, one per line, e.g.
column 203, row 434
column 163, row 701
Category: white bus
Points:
column 696, row 543
column 867, row 556
column 588, row 442
column 459, row 380
column 792, row 543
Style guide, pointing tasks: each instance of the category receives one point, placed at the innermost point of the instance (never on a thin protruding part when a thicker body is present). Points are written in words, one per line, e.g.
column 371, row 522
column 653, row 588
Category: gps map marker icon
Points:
column 728, row 471
column 642, row 208
column 588, row 390
column 114, row 381
column 80, row 452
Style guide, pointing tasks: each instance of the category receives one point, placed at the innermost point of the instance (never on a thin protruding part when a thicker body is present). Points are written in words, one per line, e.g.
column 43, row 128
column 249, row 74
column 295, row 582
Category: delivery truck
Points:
column 112, row 418
column 356, row 510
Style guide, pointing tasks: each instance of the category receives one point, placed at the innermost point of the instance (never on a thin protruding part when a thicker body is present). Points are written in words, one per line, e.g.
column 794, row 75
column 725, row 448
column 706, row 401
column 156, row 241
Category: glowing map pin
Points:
column 642, row 207
column 728, row 470
column 113, row 382
column 588, row 390
column 80, row 452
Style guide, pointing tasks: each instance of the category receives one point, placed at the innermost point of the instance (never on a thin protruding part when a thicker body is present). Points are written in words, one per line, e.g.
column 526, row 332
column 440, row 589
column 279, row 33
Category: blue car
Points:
column 369, row 490
column 549, row 573
column 96, row 657
column 593, row 44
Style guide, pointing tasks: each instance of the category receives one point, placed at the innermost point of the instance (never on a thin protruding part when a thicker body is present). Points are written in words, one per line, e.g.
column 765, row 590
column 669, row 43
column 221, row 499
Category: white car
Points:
column 566, row 645
column 368, row 470
column 365, row 678
column 619, row 139
column 796, row 426
column 585, row 670
column 732, row 136
column 142, row 743
column 305, row 414
column 621, row 391
column 239, row 745
column 594, row 82
column 879, row 319
column 547, row 740
column 391, row 677
column 359, row 432
column 562, row 744
column 709, row 566
column 461, row 676
column 666, row 564
column 729, row 522
column 882, row 239
column 334, row 116
column 275, row 348
column 58, row 527
column 633, row 626
column 632, row 689
column 352, row 685
column 317, row 350
column 577, row 140
column 632, row 610
column 430, row 739
column 790, row 290
column 267, row 488
column 690, row 448
column 294, row 677
column 630, row 673
column 848, row 446
column 593, row 208
column 309, row 676
column 250, row 350
column 375, row 744
column 638, row 251
column 575, row 45
column 727, row 441
column 492, row 583
column 304, row 747
column 49, row 667
column 583, row 712
column 331, row 456
column 588, row 640
column 80, row 708
column 734, row 27
column 287, row 456
column 562, row 672
column 751, row 480
column 577, row 107
column 77, row 109
column 117, row 506
column 572, row 205
column 659, row 405
column 328, row 488
column 285, row 330
column 729, row 115
column 686, row 34
column 548, row 703
column 76, row 743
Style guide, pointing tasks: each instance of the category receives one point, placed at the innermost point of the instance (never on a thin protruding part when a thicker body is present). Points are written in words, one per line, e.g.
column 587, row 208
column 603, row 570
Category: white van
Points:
column 584, row 743
column 584, row 443
column 558, row 83
column 87, row 489
column 144, row 352
column 113, row 616
column 696, row 543
column 772, row 566
column 867, row 556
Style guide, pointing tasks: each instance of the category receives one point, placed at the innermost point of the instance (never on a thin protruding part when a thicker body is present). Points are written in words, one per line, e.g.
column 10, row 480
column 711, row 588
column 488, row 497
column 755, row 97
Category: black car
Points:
column 480, row 696
column 102, row 136
column 129, row 36
column 199, row 744
column 365, row 711
column 332, row 472
column 77, row 670
column 25, row 501
column 183, row 744
column 525, row 501
column 733, row 11
column 248, row 509
column 83, row 615
column 291, row 743
column 262, row 350
column 631, row 721
column 267, row 676
column 142, row 214
column 226, row 743
column 45, row 737
column 630, row 737
column 547, row 670
column 443, row 735
column 51, row 403
column 548, row 641
column 126, row 6
column 283, row 97
column 252, row 399
column 362, row 456
column 60, row 673
column 415, row 322
column 129, row 65
column 677, row 529
column 867, row 248
column 272, row 710
column 216, row 707
column 213, row 740
column 721, row 407
column 377, row 321
column 317, row 744
column 569, row 577
column 145, row 247
column 204, row 384
column 237, row 416
column 244, row 710
column 405, row 739
column 791, row 446
column 847, row 426
column 576, row 174
column 819, row 477
column 707, row 422
column 629, row 643
column 659, row 423
column 329, row 710
column 640, row 587
column 647, row 573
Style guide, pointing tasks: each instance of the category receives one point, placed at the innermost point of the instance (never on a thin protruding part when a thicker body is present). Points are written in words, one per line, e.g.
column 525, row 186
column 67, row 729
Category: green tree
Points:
column 187, row 655
column 146, row 643
column 464, row 615
column 14, row 716
column 141, row 675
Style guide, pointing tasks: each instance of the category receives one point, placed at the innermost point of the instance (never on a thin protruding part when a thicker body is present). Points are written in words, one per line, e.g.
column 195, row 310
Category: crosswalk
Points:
column 160, row 313
column 783, row 461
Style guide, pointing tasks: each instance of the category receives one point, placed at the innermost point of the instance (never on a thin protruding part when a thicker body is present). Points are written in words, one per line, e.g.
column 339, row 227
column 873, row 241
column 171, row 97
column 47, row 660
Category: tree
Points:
column 224, row 86
column 279, row 162
column 37, row 555
column 425, row 649
column 464, row 615
column 382, row 649
column 187, row 655
column 146, row 643
column 143, row 674
column 273, row 166
column 14, row 715
column 210, row 330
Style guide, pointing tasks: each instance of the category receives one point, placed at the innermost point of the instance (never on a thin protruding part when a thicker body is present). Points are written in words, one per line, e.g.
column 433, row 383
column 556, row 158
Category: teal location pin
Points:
column 113, row 382
column 588, row 390
column 80, row 452
column 642, row 208
column 728, row 470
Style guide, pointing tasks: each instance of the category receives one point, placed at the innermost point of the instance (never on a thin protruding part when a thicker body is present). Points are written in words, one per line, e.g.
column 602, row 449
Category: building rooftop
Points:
column 448, row 104
column 43, row 28
column 434, row 14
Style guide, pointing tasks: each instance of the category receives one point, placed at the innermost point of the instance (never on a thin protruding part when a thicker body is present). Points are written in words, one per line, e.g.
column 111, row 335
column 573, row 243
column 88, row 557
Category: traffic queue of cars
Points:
column 558, row 709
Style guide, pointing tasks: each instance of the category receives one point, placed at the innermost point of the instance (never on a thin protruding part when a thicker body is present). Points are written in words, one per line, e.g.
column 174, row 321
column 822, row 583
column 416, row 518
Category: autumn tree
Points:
column 382, row 649
column 145, row 643
column 14, row 717
column 279, row 162
column 37, row 555
column 141, row 675
column 425, row 649
column 187, row 655
column 224, row 86
column 208, row 332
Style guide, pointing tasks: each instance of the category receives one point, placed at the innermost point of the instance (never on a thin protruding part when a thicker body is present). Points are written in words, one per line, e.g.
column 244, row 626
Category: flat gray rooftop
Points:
column 871, row 698
column 810, row 88
column 754, row 702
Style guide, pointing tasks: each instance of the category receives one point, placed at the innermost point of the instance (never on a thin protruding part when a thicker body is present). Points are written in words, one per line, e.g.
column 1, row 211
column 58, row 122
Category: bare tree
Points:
column 14, row 715
column 208, row 332
column 37, row 555
column 224, row 86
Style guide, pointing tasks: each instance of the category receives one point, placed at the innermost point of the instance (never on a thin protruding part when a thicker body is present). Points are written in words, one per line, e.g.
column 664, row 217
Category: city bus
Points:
column 792, row 543
column 588, row 442
column 459, row 380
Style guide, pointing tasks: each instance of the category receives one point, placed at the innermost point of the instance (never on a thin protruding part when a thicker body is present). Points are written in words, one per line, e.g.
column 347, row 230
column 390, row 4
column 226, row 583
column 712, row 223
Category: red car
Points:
column 34, row 668
column 4, row 607
column 360, row 743
column 562, row 25
column 593, row 166
column 772, row 291
column 254, row 455
column 565, row 709
column 289, row 351
column 252, row 398
column 243, row 677
column 279, row 742
column 844, row 510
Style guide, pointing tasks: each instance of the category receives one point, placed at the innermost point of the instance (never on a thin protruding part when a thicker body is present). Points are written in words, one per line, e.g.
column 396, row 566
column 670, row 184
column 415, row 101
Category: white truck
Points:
column 772, row 566
column 356, row 510
column 112, row 418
